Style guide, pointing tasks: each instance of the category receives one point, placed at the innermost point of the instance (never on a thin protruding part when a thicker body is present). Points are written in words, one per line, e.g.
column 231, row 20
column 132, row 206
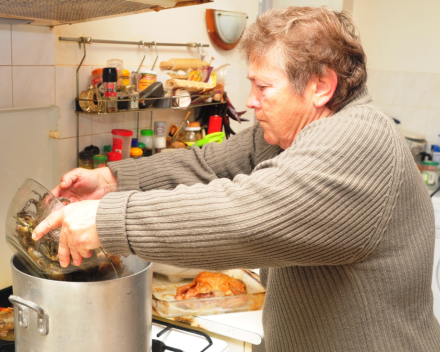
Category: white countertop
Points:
column 244, row 326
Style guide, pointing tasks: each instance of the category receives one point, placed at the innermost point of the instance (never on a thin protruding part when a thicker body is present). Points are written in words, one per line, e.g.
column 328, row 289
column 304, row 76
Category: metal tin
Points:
column 110, row 316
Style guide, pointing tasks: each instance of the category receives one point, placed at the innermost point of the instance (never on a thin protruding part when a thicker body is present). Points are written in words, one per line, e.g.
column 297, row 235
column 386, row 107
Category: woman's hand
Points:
column 82, row 184
column 78, row 235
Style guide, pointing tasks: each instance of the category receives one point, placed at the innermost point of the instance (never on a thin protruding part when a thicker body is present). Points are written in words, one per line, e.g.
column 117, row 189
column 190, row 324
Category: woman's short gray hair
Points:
column 306, row 41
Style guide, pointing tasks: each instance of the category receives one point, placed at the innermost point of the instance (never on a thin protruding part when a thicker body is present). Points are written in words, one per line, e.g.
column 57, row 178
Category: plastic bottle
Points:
column 160, row 139
column 110, row 78
column 146, row 137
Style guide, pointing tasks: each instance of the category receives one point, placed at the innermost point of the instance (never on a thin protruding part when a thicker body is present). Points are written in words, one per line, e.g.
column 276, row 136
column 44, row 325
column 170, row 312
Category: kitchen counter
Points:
column 238, row 329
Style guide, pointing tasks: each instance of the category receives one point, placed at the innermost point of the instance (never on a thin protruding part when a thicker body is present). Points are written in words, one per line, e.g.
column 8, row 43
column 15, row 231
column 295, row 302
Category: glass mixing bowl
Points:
column 31, row 204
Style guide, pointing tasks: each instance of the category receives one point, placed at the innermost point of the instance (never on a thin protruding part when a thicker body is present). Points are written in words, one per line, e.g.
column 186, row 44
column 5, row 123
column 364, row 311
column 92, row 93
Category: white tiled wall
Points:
column 412, row 98
column 37, row 69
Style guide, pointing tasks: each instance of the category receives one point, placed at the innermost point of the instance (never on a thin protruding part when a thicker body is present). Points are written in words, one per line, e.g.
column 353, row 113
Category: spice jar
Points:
column 99, row 160
column 192, row 133
column 160, row 139
column 430, row 174
column 85, row 159
column 110, row 78
column 126, row 78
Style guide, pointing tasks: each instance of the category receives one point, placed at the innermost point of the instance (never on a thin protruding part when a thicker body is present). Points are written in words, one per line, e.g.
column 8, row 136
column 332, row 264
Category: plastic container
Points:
column 32, row 204
column 122, row 142
column 146, row 137
column 192, row 133
column 85, row 160
column 107, row 148
column 160, row 139
column 99, row 160
column 430, row 174
column 136, row 152
column 114, row 156
column 164, row 291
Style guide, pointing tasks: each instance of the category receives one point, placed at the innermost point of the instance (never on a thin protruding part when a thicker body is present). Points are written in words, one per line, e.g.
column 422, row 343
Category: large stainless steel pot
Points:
column 110, row 316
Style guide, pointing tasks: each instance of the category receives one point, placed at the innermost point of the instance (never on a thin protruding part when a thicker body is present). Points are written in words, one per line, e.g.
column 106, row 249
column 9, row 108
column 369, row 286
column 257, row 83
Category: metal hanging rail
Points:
column 89, row 40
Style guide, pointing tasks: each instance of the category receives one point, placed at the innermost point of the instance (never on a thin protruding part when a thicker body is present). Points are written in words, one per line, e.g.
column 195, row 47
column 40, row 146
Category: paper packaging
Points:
column 190, row 86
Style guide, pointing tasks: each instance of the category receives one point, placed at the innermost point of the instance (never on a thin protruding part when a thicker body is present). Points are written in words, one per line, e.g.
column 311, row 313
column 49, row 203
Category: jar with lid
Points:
column 110, row 78
column 121, row 142
column 192, row 133
column 430, row 174
column 99, row 160
column 85, row 160
column 146, row 137
column 136, row 152
column 97, row 80
column 114, row 156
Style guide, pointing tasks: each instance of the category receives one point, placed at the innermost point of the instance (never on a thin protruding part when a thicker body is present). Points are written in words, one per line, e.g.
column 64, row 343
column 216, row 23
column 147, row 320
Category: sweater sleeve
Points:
column 326, row 200
column 199, row 165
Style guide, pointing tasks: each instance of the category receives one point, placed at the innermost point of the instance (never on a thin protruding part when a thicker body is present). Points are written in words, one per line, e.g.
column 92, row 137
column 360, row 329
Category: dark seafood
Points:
column 44, row 253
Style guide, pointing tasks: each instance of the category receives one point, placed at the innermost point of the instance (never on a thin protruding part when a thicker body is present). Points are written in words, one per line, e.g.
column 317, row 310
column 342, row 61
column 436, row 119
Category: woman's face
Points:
column 281, row 112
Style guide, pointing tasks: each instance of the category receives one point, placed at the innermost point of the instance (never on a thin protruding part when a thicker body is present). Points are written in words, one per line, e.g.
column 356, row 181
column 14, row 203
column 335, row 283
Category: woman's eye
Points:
column 261, row 87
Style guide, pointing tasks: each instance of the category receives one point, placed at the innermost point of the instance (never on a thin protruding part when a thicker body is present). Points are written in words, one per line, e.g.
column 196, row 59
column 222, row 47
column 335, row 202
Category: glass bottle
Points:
column 110, row 78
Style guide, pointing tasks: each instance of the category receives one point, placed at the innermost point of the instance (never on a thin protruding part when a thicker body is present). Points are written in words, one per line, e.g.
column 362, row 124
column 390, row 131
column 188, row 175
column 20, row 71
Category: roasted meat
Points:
column 6, row 323
column 208, row 284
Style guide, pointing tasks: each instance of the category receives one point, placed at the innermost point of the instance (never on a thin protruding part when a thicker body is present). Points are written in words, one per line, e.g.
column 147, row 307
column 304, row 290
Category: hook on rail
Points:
column 157, row 55
column 201, row 51
column 143, row 51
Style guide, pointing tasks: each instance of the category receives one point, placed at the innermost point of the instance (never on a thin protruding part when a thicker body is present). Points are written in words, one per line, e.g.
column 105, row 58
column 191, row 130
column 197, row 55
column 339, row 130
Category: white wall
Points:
column 402, row 43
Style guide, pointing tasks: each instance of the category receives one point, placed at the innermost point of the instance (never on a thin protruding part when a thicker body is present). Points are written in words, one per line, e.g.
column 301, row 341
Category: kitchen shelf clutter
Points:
column 182, row 84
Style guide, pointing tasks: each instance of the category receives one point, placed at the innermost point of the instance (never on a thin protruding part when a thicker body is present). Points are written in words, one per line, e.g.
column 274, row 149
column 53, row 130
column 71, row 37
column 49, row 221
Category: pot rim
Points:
column 78, row 283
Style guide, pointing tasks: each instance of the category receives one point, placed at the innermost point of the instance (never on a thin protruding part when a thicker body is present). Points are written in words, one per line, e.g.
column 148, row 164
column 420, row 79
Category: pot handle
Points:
column 23, row 314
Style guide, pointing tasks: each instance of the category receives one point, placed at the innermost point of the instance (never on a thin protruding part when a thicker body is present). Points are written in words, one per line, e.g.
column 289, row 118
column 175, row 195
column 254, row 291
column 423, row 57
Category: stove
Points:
column 166, row 336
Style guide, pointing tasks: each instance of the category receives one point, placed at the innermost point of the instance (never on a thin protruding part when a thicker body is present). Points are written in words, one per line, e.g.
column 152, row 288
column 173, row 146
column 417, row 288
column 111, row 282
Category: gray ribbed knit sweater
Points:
column 340, row 222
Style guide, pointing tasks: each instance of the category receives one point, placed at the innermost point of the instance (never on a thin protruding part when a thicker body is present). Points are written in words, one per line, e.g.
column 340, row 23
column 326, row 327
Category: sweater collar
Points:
column 363, row 97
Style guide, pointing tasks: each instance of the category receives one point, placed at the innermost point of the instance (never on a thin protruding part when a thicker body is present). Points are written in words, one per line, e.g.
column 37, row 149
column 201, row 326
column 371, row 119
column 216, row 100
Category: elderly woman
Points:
column 322, row 194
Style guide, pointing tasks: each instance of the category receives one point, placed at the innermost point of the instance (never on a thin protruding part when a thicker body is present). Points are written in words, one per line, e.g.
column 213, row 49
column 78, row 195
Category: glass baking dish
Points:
column 164, row 303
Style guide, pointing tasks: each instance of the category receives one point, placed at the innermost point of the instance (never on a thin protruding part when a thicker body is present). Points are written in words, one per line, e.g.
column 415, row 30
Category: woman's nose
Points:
column 252, row 100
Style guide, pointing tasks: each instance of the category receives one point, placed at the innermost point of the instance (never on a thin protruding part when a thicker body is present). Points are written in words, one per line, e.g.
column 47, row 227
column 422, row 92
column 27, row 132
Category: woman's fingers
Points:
column 78, row 234
column 52, row 222
column 64, row 253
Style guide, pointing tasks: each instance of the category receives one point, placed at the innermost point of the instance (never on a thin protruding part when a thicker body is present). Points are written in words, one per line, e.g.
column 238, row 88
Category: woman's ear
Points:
column 325, row 87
